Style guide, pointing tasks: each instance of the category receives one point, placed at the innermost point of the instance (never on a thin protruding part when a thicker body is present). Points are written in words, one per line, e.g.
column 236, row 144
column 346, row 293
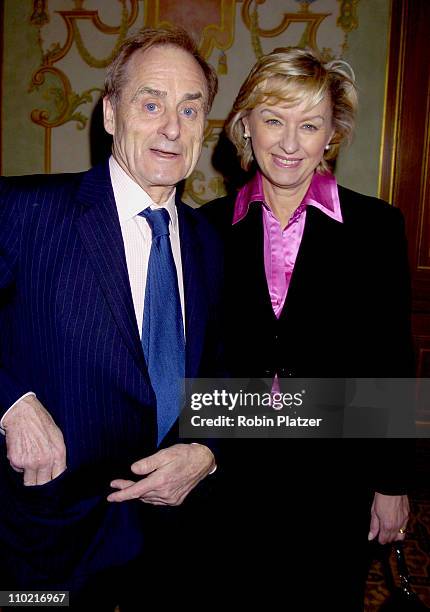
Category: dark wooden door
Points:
column 405, row 171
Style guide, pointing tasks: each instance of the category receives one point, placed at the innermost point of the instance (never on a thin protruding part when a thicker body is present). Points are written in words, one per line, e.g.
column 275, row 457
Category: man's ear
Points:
column 108, row 116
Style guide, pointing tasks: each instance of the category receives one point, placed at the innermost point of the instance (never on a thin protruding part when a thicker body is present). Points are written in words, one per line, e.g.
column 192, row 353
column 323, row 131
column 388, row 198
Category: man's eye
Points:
column 151, row 107
column 188, row 111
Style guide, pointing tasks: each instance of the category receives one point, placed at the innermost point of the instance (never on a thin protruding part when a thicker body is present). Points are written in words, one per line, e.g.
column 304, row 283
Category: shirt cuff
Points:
column 213, row 469
column 29, row 394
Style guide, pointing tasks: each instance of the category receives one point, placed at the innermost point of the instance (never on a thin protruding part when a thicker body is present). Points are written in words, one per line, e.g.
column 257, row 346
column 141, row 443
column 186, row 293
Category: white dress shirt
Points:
column 130, row 200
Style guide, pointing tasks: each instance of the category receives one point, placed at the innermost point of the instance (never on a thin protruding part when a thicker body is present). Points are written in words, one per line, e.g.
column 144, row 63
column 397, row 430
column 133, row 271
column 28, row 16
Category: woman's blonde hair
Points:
column 293, row 75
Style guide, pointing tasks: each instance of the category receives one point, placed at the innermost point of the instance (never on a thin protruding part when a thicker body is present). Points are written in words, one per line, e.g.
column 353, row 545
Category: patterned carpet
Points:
column 417, row 546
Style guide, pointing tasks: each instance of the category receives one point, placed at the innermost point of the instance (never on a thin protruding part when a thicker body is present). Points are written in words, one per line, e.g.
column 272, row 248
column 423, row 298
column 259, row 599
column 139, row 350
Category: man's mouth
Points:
column 165, row 154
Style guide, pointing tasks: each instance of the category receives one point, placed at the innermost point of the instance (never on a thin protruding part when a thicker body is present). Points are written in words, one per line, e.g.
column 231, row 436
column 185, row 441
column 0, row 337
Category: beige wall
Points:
column 358, row 167
column 31, row 34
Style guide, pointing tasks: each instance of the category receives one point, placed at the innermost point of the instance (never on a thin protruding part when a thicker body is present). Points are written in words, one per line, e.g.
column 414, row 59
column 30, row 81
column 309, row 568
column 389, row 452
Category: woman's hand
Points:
column 389, row 514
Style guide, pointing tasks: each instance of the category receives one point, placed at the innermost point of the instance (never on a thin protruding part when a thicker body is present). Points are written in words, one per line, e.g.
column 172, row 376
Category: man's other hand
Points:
column 170, row 474
column 35, row 445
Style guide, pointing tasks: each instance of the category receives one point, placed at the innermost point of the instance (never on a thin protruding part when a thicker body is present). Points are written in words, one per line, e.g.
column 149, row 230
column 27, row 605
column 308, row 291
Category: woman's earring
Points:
column 327, row 147
column 246, row 136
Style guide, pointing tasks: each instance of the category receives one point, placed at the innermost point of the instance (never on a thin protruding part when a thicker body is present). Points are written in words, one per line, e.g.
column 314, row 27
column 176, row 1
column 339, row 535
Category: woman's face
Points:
column 288, row 143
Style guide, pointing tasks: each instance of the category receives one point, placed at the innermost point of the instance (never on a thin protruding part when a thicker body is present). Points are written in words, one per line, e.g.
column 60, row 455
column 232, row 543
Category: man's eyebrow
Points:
column 192, row 96
column 157, row 93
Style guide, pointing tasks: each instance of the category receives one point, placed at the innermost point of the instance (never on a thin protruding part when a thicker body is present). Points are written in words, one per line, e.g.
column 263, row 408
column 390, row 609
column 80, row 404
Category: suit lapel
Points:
column 247, row 247
column 320, row 250
column 100, row 231
column 195, row 304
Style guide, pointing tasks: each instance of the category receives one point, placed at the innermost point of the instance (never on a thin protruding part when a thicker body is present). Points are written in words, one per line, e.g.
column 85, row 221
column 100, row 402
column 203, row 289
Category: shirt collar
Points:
column 131, row 199
column 322, row 193
column 251, row 192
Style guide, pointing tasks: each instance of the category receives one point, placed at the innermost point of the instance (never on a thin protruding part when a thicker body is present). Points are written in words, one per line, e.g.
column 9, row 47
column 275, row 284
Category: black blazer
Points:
column 347, row 314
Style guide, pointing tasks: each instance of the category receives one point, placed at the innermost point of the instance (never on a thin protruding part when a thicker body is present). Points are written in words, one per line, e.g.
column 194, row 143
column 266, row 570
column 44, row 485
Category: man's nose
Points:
column 170, row 126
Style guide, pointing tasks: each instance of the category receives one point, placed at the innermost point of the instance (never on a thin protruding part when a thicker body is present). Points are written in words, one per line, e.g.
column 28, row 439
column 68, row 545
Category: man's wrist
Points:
column 213, row 470
column 2, row 427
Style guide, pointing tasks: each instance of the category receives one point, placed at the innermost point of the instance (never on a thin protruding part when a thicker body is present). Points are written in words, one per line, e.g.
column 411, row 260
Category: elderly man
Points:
column 109, row 290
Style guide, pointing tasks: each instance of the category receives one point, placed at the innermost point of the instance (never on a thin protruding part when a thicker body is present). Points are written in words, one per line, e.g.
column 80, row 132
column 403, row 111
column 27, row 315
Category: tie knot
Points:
column 158, row 220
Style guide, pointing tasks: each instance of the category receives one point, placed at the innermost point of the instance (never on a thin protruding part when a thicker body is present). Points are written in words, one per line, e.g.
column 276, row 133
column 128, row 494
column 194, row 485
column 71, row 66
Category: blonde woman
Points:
column 316, row 286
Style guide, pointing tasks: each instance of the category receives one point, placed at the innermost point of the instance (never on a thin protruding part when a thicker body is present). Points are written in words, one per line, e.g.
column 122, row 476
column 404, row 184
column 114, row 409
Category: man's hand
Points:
column 35, row 445
column 170, row 474
column 389, row 514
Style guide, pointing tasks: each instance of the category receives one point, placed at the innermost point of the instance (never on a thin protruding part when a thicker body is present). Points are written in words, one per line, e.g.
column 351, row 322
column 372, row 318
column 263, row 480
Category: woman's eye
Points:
column 273, row 122
column 151, row 107
column 310, row 126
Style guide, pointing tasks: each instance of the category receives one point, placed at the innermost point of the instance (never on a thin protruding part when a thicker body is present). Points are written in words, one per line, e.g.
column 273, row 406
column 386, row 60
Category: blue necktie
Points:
column 163, row 339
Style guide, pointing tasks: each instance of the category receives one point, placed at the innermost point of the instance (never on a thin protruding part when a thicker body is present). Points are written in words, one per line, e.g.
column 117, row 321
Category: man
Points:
column 86, row 389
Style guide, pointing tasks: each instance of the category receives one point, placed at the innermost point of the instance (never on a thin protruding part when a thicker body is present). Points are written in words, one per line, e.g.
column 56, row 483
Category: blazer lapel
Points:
column 248, row 253
column 320, row 250
column 100, row 231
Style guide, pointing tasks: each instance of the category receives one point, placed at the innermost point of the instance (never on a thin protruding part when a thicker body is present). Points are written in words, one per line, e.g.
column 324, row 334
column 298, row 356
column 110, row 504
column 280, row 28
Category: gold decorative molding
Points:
column 206, row 189
column 40, row 15
column 388, row 150
column 212, row 131
column 213, row 35
column 212, row 23
column 423, row 262
column 219, row 36
column 254, row 29
column 66, row 100
column 86, row 55
column 71, row 19
column 347, row 20
column 304, row 15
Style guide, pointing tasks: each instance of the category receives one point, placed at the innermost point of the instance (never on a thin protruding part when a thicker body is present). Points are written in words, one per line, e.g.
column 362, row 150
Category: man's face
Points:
column 158, row 122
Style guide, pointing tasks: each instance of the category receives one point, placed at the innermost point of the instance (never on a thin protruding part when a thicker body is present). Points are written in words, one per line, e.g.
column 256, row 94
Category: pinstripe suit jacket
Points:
column 69, row 333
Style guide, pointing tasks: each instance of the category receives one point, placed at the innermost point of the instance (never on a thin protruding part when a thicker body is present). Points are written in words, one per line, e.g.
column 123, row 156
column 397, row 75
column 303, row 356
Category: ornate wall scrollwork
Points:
column 67, row 100
column 206, row 189
column 311, row 20
column 39, row 16
column 348, row 19
column 76, row 39
column 211, row 22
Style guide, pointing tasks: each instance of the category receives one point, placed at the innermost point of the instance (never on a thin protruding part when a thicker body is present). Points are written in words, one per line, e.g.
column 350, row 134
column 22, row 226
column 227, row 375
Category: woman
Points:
column 316, row 286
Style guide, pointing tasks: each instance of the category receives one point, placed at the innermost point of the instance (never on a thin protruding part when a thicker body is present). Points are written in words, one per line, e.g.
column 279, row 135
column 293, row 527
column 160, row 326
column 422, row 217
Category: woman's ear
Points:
column 245, row 123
